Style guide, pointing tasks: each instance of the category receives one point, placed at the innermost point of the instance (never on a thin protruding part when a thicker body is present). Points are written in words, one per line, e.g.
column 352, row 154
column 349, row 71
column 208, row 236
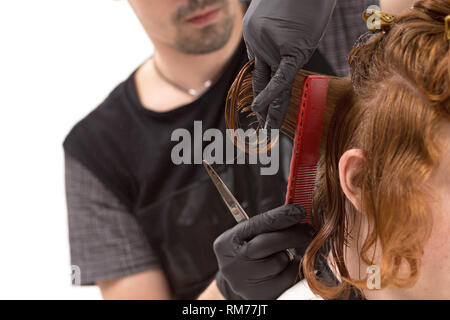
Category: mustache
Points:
column 193, row 5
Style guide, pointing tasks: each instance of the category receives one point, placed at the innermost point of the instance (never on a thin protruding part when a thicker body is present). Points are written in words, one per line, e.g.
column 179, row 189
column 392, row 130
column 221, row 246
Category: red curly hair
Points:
column 400, row 96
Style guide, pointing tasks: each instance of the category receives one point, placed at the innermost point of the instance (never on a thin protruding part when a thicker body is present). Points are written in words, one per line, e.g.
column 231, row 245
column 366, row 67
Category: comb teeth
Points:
column 303, row 188
column 305, row 153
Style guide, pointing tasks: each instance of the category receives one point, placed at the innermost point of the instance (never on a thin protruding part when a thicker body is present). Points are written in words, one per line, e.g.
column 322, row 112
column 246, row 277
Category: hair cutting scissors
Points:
column 233, row 205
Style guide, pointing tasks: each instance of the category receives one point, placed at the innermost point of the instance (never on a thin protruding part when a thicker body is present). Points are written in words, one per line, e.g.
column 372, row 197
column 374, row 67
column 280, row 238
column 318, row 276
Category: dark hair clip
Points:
column 378, row 21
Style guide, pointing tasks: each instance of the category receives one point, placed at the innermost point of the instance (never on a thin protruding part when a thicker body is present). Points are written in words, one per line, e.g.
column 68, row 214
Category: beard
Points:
column 207, row 39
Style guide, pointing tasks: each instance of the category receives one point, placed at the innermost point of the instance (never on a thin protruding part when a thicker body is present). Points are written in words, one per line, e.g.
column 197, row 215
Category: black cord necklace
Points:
column 191, row 92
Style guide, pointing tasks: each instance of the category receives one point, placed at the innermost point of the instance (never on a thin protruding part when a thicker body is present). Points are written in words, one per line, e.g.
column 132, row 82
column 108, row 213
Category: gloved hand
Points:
column 252, row 260
column 281, row 36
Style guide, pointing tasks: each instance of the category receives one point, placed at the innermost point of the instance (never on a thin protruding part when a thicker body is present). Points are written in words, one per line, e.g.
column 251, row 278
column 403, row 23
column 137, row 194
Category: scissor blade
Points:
column 231, row 202
column 233, row 205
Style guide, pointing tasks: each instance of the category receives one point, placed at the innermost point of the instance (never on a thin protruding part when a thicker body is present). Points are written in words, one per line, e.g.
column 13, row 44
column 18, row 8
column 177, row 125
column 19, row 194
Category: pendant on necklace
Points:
column 194, row 92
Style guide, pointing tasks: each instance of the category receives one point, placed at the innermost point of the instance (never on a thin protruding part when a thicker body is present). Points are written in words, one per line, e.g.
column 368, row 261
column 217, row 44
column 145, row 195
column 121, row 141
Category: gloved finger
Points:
column 225, row 288
column 281, row 81
column 260, row 78
column 286, row 279
column 277, row 283
column 267, row 266
column 277, row 110
column 250, row 54
column 268, row 244
column 273, row 220
column 226, row 244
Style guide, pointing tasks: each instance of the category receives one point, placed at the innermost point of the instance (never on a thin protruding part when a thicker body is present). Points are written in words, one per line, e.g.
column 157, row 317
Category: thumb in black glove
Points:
column 251, row 256
column 281, row 36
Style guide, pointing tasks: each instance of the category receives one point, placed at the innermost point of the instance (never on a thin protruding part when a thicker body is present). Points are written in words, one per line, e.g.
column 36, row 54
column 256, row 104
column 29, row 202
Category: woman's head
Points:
column 384, row 196
column 383, row 193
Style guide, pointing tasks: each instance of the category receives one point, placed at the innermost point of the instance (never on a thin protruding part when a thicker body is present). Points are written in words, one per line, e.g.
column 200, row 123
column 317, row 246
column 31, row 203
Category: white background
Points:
column 58, row 60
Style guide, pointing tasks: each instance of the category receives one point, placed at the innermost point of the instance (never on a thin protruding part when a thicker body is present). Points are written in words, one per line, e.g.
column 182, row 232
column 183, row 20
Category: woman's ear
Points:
column 351, row 165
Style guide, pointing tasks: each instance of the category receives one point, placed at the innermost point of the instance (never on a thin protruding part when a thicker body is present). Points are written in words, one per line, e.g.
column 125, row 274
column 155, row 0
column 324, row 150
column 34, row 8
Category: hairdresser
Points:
column 281, row 36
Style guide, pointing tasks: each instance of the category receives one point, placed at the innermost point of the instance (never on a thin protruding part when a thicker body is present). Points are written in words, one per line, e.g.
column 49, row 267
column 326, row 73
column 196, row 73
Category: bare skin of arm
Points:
column 211, row 293
column 148, row 285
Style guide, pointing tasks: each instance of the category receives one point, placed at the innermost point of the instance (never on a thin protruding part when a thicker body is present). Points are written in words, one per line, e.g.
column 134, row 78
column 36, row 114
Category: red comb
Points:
column 305, row 153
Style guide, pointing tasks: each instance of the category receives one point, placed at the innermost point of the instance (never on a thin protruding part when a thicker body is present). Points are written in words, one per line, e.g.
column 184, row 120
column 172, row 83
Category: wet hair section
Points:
column 238, row 113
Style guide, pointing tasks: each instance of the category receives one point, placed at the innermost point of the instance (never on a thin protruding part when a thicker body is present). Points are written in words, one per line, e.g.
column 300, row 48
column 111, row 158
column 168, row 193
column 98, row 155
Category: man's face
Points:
column 189, row 26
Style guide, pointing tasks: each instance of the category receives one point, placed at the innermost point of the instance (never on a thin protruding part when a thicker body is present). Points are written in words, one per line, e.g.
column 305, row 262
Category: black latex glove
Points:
column 251, row 258
column 281, row 35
